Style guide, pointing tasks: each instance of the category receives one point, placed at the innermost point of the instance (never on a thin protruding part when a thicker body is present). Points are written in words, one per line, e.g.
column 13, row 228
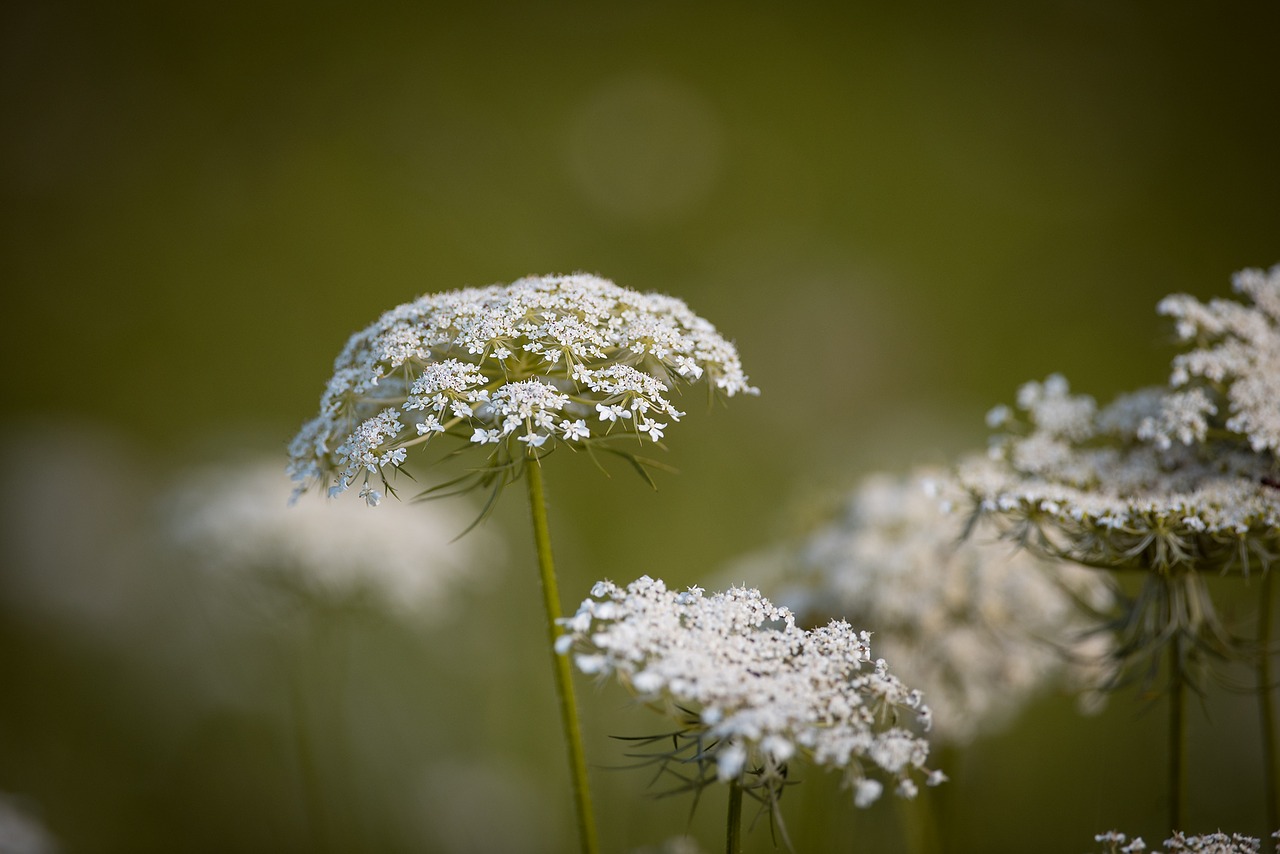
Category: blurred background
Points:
column 900, row 214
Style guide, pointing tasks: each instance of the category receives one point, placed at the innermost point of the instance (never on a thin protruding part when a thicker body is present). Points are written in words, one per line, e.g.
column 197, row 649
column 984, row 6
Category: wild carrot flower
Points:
column 977, row 626
column 1079, row 483
column 1114, row 842
column 1182, row 476
column 516, row 371
column 751, row 690
column 1086, row 484
column 1174, row 482
column 512, row 369
column 236, row 519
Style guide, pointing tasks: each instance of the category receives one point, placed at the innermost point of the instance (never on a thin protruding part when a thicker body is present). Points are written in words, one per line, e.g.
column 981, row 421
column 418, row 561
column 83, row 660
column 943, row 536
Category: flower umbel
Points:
column 1114, row 842
column 1166, row 479
column 518, row 369
column 752, row 691
column 1093, row 490
column 1174, row 482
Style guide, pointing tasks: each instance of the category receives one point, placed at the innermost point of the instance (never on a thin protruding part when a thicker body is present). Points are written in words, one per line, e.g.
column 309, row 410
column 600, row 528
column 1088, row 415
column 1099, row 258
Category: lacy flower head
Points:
column 751, row 691
column 1075, row 482
column 1176, row 481
column 515, row 370
column 236, row 519
column 978, row 626
column 1114, row 842
column 1097, row 487
column 1167, row 478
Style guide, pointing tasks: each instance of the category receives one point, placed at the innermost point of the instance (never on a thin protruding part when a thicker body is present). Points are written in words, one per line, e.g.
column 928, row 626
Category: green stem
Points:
column 1177, row 736
column 1266, row 705
column 733, row 823
column 564, row 677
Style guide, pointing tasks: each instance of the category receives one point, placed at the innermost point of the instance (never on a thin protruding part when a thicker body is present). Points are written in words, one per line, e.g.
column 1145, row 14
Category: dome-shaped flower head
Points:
column 761, row 690
column 978, row 626
column 514, row 370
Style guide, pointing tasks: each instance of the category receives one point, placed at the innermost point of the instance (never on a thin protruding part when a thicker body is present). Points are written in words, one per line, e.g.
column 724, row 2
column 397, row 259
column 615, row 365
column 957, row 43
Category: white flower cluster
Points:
column 1177, row 481
column 545, row 360
column 975, row 625
column 1183, row 476
column 237, row 519
column 1210, row 843
column 1235, row 365
column 764, row 690
column 1095, row 486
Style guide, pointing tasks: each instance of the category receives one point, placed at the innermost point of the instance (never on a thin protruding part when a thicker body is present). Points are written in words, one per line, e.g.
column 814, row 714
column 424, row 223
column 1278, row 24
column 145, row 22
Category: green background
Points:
column 899, row 213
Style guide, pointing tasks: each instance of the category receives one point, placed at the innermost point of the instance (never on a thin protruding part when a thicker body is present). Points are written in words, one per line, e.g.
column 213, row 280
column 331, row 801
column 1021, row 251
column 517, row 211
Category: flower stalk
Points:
column 733, row 823
column 1177, row 734
column 563, row 674
column 1266, row 703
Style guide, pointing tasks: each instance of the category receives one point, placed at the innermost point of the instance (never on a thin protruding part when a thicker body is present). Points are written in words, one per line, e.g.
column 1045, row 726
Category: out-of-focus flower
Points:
column 75, row 541
column 238, row 518
column 20, row 832
column 978, row 627
column 515, row 370
column 752, row 690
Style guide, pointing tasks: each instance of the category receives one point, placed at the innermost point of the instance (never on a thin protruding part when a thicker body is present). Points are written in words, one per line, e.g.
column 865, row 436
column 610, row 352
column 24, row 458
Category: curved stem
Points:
column 1266, row 704
column 564, row 677
column 733, row 823
column 1177, row 735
